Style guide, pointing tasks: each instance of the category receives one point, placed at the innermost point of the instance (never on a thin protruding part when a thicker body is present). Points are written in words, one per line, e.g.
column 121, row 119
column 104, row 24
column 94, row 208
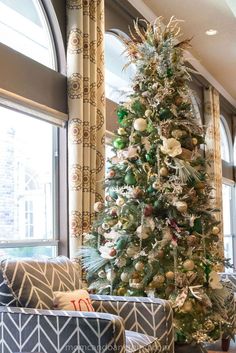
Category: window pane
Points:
column 118, row 78
column 225, row 152
column 29, row 251
column 26, row 177
column 23, row 27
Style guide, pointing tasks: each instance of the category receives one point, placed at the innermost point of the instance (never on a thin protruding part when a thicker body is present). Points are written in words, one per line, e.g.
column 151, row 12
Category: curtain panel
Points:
column 86, row 105
column 213, row 149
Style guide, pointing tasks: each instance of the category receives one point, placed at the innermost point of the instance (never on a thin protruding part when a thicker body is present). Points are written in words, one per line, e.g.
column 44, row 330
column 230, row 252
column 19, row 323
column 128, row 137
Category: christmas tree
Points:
column 156, row 234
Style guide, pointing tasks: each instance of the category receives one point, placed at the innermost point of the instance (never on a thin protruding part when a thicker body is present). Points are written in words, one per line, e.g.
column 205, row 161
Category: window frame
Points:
column 42, row 95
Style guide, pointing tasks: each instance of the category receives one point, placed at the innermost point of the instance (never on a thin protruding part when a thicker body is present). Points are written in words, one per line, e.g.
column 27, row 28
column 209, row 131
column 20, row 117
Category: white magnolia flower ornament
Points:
column 214, row 280
column 171, row 146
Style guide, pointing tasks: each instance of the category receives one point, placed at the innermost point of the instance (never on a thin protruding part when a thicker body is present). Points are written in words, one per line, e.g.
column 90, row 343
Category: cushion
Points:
column 140, row 343
column 6, row 296
column 77, row 300
column 32, row 281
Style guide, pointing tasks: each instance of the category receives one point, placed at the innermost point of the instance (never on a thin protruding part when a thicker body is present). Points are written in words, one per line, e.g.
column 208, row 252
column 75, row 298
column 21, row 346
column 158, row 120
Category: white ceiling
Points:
column 216, row 55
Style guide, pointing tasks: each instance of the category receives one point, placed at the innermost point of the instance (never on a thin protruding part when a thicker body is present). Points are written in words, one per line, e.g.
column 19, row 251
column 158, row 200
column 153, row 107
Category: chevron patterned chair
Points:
column 230, row 278
column 119, row 324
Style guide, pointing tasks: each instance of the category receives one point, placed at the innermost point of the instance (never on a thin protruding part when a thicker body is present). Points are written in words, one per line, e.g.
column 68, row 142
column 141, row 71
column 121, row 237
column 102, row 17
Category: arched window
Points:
column 24, row 27
column 225, row 140
column 32, row 134
column 118, row 75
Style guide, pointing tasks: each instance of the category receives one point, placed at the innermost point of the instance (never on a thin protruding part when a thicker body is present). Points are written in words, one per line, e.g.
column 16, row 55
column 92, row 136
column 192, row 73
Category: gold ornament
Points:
column 160, row 254
column 215, row 230
column 164, row 171
column 140, row 124
column 98, row 206
column 158, row 280
column 121, row 131
column 209, row 325
column 124, row 277
column 148, row 113
column 200, row 185
column 139, row 266
column 187, row 307
column 181, row 206
column 170, row 275
column 135, row 283
column 120, row 201
column 121, row 291
column 188, row 265
column 194, row 141
column 191, row 240
column 132, row 250
column 177, row 133
column 143, row 232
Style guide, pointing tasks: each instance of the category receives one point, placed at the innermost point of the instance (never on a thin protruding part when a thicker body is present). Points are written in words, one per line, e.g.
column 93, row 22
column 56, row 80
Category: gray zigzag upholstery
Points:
column 144, row 315
column 6, row 296
column 31, row 330
column 49, row 331
column 36, row 280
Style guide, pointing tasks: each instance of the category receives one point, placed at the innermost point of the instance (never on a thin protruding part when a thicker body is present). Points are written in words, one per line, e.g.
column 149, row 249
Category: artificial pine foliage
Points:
column 156, row 234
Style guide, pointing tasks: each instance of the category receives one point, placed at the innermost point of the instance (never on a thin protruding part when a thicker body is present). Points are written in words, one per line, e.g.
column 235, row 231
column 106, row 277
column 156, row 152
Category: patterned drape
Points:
column 86, row 98
column 213, row 150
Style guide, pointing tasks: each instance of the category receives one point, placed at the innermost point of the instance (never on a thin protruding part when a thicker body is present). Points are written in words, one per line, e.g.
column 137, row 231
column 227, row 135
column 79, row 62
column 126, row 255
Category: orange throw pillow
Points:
column 77, row 300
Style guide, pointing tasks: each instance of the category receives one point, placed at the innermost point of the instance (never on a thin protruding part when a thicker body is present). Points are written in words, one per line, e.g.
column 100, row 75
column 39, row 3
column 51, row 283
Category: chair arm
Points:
column 60, row 331
column 151, row 316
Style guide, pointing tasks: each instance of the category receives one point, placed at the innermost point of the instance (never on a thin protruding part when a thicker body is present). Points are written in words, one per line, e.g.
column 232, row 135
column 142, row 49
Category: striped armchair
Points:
column 119, row 324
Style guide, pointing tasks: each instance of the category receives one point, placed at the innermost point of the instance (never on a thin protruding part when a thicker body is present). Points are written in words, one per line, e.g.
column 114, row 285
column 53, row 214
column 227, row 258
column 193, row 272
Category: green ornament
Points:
column 130, row 179
column 169, row 72
column 135, row 293
column 121, row 113
column 150, row 158
column 120, row 119
column 164, row 113
column 125, row 122
column 121, row 243
column 119, row 143
column 150, row 189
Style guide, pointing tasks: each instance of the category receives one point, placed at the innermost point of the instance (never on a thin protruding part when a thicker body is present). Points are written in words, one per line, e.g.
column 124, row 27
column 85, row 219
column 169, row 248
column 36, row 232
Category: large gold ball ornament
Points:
column 215, row 230
column 121, row 291
column 191, row 240
column 139, row 266
column 187, row 307
column 181, row 206
column 137, row 193
column 170, row 275
column 140, row 124
column 125, row 277
column 188, row 265
column 194, row 141
column 164, row 171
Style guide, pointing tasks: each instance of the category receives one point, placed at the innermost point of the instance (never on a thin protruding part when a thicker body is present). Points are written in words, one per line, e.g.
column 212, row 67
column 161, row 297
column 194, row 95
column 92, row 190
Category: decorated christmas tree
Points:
column 156, row 234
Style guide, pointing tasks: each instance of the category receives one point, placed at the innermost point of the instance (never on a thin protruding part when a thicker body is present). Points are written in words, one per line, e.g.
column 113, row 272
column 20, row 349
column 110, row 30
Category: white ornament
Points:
column 140, row 124
column 120, row 201
column 171, row 146
column 102, row 274
column 124, row 277
column 105, row 251
column 98, row 206
column 105, row 226
column 110, row 275
column 156, row 185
